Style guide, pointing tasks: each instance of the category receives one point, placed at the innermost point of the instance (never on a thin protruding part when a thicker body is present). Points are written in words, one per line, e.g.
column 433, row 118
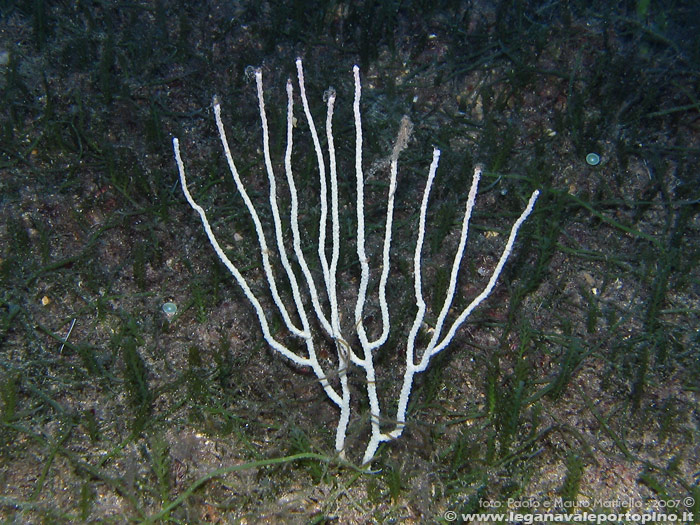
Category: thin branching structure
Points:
column 308, row 302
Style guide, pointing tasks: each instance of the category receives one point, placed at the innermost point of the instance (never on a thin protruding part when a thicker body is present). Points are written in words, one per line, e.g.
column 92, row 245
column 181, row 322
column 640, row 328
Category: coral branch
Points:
column 330, row 320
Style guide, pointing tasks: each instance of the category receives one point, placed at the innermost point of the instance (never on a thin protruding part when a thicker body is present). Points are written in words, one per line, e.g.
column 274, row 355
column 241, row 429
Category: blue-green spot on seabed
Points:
column 593, row 159
column 169, row 309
